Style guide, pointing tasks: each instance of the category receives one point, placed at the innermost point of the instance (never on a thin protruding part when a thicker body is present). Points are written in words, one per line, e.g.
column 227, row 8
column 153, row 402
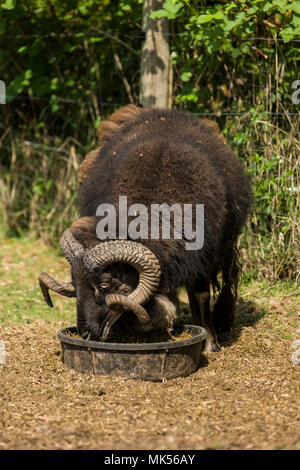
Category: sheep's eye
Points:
column 104, row 285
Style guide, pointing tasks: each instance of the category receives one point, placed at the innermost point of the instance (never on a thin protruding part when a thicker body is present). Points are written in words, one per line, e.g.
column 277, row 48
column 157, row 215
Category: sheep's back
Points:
column 173, row 158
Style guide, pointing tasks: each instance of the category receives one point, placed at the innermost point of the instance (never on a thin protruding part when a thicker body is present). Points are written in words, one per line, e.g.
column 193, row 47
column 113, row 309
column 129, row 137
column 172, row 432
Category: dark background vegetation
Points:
column 233, row 62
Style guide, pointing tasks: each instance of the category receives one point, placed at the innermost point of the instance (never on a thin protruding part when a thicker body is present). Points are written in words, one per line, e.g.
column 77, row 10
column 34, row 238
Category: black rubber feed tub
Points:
column 143, row 361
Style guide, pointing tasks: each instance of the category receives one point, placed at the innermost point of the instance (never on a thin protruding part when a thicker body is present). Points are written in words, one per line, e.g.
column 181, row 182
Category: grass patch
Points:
column 21, row 262
column 277, row 304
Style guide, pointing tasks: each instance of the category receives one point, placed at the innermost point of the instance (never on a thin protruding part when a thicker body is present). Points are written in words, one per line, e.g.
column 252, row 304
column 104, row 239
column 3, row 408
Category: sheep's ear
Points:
column 84, row 230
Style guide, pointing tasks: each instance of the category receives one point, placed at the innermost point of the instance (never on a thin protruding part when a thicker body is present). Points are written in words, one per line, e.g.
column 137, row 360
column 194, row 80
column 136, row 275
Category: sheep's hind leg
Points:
column 199, row 297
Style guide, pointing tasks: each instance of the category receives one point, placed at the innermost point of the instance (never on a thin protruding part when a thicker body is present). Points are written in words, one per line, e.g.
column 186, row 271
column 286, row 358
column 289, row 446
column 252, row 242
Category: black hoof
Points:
column 211, row 346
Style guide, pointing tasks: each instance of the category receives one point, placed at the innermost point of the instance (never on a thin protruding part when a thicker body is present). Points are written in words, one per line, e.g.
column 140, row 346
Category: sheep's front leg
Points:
column 199, row 297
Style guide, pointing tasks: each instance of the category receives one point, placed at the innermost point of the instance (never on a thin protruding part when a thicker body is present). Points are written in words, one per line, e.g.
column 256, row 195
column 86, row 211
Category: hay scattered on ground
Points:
column 244, row 397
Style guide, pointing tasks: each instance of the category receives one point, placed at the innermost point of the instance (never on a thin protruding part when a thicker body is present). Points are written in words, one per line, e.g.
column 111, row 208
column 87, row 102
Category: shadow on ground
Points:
column 248, row 313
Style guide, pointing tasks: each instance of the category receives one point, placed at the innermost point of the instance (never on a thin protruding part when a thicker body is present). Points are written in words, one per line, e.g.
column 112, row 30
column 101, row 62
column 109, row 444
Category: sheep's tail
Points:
column 224, row 309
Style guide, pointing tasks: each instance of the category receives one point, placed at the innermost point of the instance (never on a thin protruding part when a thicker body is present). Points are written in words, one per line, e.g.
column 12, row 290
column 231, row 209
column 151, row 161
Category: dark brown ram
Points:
column 162, row 157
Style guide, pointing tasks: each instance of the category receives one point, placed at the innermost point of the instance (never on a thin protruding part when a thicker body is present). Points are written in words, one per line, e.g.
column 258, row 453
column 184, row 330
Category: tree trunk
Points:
column 2, row 93
column 155, row 61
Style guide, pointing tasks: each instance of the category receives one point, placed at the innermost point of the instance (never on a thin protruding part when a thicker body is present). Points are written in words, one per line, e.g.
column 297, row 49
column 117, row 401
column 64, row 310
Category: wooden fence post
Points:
column 155, row 60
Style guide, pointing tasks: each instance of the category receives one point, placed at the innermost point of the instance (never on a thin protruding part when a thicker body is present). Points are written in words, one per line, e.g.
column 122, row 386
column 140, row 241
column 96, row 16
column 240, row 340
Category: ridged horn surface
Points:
column 70, row 247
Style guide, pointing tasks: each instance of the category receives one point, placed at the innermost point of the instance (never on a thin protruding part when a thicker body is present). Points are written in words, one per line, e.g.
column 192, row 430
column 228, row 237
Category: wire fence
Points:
column 107, row 104
column 140, row 35
column 41, row 148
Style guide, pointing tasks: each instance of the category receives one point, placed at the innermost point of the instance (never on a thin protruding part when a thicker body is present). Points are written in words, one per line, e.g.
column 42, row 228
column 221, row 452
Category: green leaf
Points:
column 170, row 10
column 267, row 7
column 296, row 21
column 171, row 7
column 22, row 49
column 186, row 76
column 126, row 7
column 229, row 26
column 159, row 14
column 54, row 83
column 296, row 7
column 8, row 4
column 204, row 19
column 54, row 107
column 218, row 16
column 282, row 5
column 16, row 86
column 95, row 39
column 83, row 9
column 288, row 33
column 48, row 184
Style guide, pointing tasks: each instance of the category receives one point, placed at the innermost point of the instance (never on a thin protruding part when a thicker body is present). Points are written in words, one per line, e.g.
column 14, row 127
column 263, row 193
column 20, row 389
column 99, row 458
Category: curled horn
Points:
column 70, row 247
column 138, row 256
column 133, row 253
column 63, row 288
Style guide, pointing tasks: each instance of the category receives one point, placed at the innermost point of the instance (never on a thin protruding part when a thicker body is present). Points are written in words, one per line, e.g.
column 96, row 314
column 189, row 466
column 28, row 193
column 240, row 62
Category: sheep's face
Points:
column 115, row 282
column 91, row 290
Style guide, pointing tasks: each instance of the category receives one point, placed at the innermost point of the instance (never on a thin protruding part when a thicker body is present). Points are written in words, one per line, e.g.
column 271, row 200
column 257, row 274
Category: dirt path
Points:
column 244, row 397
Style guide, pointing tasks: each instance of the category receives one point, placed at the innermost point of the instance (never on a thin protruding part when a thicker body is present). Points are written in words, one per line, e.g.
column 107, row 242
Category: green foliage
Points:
column 57, row 60
column 239, row 58
column 232, row 61
column 270, row 245
column 62, row 50
column 170, row 10
column 218, row 19
column 214, row 39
